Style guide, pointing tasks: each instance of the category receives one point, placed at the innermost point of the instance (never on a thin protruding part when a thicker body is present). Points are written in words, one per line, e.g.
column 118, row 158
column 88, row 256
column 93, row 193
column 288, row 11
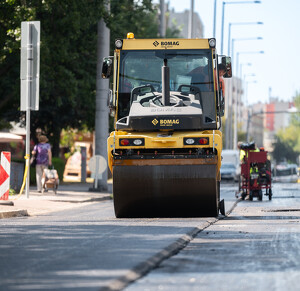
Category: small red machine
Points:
column 255, row 173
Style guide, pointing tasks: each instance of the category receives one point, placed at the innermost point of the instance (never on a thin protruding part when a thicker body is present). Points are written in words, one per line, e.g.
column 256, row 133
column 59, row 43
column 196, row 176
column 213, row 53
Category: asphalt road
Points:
column 87, row 248
column 257, row 247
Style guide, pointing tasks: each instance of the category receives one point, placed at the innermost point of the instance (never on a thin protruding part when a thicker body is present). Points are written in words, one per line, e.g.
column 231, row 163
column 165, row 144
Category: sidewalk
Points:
column 69, row 195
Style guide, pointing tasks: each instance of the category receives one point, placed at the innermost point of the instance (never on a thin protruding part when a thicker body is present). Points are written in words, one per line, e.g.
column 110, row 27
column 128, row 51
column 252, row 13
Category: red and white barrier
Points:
column 4, row 175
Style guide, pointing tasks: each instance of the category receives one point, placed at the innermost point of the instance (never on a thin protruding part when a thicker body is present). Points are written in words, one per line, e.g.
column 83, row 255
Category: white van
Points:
column 232, row 157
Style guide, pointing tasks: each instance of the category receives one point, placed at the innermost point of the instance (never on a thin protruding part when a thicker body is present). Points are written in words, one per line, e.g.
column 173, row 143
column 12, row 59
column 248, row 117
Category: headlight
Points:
column 189, row 141
column 118, row 43
column 137, row 142
column 212, row 42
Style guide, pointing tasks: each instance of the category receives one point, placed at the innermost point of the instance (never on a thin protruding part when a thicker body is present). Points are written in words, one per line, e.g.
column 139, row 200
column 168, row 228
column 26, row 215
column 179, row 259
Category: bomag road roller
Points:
column 165, row 151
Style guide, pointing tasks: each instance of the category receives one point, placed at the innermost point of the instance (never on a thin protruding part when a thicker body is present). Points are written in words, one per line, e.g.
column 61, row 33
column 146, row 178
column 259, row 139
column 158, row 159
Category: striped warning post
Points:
column 4, row 175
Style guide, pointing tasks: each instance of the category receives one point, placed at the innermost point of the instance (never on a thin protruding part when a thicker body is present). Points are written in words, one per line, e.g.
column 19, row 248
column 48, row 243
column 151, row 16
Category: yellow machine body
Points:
column 165, row 151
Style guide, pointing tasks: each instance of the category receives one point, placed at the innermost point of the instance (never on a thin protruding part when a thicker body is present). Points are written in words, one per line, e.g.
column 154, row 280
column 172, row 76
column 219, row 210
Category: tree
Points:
column 10, row 35
column 287, row 145
column 68, row 56
column 284, row 151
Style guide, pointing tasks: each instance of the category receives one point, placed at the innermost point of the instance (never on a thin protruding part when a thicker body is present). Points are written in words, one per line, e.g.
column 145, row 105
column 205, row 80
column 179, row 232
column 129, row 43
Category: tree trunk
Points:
column 55, row 142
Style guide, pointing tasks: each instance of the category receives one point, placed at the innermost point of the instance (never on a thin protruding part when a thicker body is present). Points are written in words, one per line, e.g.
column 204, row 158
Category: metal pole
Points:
column 190, row 34
column 29, row 93
column 222, row 28
column 162, row 27
column 27, row 150
column 102, row 91
column 248, row 126
column 215, row 15
column 230, row 103
column 229, row 35
column 235, row 104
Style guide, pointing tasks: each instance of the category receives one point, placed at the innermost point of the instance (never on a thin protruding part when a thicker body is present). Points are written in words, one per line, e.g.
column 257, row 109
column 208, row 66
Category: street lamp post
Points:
column 223, row 12
column 246, row 90
column 238, row 23
column 215, row 15
column 229, row 135
column 191, row 20
column 235, row 105
column 242, row 100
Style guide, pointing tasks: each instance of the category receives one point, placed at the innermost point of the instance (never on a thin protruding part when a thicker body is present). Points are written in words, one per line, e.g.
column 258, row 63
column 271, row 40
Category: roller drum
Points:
column 165, row 191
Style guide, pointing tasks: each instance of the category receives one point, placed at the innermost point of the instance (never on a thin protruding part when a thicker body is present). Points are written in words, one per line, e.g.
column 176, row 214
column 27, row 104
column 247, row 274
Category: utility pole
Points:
column 191, row 20
column 162, row 27
column 215, row 15
column 102, row 91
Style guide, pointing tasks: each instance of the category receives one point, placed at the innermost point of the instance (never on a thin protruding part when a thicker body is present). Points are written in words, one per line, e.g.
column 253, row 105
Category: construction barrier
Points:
column 5, row 175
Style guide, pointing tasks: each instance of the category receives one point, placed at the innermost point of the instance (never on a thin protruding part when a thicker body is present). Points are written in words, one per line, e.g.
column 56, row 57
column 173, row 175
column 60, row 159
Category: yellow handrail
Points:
column 25, row 176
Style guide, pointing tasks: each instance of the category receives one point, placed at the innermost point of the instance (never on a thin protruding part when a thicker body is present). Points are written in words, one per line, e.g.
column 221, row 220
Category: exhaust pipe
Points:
column 165, row 73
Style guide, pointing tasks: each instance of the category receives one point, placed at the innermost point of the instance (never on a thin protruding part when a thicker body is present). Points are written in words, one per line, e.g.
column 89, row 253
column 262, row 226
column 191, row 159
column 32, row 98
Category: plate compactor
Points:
column 165, row 151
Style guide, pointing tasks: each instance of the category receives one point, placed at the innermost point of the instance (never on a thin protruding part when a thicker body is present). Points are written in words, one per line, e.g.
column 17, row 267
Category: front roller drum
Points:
column 165, row 191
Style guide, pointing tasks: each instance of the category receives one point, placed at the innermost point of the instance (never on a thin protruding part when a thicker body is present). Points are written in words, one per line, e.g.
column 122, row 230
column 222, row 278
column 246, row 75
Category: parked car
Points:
column 286, row 173
column 229, row 172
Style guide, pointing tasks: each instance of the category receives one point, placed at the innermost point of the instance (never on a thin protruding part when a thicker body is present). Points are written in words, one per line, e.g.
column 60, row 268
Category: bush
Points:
column 59, row 165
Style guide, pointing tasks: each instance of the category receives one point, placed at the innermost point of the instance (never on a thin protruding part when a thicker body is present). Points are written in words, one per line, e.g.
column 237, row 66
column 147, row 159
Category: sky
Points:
column 272, row 73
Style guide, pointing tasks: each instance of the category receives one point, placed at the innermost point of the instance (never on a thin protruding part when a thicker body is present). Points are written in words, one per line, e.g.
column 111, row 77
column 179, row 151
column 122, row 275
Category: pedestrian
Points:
column 43, row 153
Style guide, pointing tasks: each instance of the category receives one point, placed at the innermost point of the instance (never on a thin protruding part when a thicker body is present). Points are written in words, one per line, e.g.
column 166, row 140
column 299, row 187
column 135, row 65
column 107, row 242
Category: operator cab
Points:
column 169, row 84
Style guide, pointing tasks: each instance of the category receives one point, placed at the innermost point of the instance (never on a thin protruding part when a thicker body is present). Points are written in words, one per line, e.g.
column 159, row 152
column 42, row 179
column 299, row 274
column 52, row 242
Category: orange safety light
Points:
column 130, row 35
column 124, row 142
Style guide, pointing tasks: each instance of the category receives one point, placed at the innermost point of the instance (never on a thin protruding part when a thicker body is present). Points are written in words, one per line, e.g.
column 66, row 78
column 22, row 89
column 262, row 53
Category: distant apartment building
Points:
column 266, row 119
column 277, row 117
column 256, row 126
column 233, row 96
column 180, row 21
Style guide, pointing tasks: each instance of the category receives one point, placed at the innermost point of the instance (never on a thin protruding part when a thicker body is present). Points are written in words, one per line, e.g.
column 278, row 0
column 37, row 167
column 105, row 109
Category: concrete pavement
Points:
column 69, row 195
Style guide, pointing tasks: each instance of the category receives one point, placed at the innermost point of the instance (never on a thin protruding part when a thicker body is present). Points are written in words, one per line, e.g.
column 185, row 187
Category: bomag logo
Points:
column 169, row 43
column 156, row 43
column 166, row 43
column 154, row 121
column 168, row 122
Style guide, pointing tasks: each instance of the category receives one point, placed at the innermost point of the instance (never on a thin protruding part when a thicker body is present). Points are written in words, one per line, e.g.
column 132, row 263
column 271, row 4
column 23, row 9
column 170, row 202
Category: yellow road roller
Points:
column 165, row 150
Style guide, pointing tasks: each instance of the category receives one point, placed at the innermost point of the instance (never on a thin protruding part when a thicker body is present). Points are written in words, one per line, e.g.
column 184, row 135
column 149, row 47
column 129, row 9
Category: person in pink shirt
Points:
column 43, row 159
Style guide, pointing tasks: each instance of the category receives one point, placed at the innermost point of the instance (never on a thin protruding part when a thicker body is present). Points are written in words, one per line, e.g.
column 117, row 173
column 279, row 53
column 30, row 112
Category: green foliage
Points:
column 139, row 17
column 68, row 57
column 287, row 145
column 284, row 151
column 12, row 191
column 174, row 30
column 32, row 176
column 59, row 166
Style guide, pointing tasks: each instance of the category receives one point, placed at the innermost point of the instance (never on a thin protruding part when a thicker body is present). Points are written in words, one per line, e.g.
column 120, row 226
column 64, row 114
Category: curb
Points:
column 145, row 267
column 153, row 262
column 13, row 213
column 86, row 200
column 23, row 212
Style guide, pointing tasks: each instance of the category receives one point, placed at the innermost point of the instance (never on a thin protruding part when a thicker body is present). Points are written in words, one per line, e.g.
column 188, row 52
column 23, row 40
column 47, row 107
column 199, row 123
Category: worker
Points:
column 222, row 71
column 254, row 170
column 242, row 152
column 200, row 78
